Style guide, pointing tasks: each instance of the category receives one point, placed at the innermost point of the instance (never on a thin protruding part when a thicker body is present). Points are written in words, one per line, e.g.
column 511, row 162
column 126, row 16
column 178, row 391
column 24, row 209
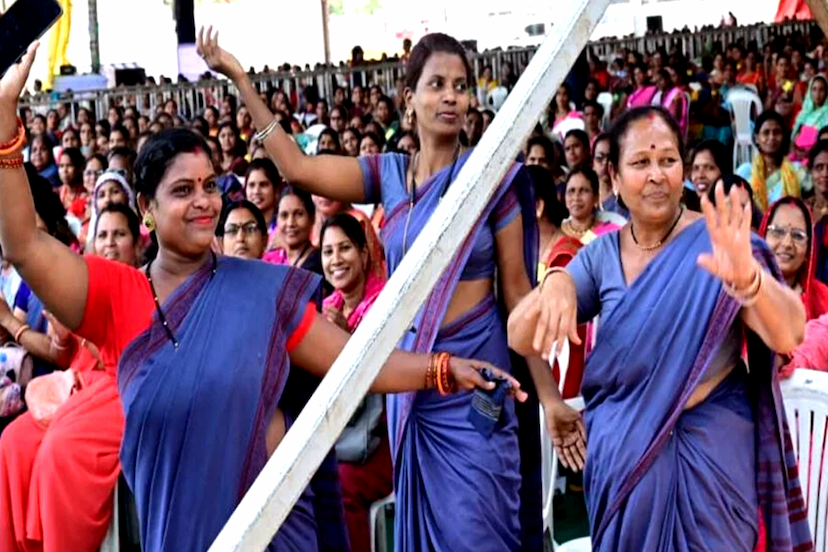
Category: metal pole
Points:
column 94, row 42
column 287, row 473
column 326, row 38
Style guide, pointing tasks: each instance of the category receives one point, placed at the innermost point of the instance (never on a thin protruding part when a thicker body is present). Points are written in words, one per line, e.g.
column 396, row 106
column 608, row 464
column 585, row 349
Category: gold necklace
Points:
column 570, row 230
column 660, row 242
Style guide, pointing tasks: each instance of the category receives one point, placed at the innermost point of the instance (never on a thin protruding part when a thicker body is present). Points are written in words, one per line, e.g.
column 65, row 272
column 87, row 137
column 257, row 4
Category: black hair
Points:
column 241, row 204
column 823, row 130
column 602, row 137
column 48, row 206
column 343, row 111
column 349, row 225
column 120, row 128
column 159, row 153
column 268, row 167
column 545, row 189
column 105, row 126
column 409, row 134
column 427, row 46
column 592, row 103
column 241, row 145
column 231, row 99
column 99, row 158
column 719, row 152
column 820, row 147
column 770, row 115
column 123, row 151
column 587, row 172
column 131, row 217
column 47, row 143
column 374, row 138
column 328, row 131
column 73, row 130
column 303, row 196
column 625, row 121
column 77, row 160
column 582, row 137
column 545, row 143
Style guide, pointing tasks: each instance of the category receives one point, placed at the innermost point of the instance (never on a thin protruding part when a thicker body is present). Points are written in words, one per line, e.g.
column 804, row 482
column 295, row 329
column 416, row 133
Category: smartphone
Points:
column 23, row 23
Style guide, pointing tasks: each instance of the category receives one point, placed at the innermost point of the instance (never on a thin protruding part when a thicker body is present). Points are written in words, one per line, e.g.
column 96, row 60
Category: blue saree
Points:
column 659, row 477
column 456, row 489
column 196, row 418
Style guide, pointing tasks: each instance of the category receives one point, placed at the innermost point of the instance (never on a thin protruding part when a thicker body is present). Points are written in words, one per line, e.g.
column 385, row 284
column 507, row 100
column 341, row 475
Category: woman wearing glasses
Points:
column 788, row 228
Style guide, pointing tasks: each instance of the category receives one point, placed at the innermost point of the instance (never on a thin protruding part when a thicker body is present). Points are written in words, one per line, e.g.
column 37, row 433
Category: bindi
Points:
column 652, row 146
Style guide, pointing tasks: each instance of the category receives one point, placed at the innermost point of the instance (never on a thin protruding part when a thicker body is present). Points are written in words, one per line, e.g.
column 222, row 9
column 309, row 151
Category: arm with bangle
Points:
column 39, row 344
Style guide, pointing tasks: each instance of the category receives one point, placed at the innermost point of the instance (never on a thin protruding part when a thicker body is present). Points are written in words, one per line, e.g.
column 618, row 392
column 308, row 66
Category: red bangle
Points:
column 17, row 142
column 11, row 162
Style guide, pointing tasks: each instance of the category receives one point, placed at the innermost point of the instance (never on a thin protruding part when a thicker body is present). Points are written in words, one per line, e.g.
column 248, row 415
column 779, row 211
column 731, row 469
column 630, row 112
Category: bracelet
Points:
column 748, row 296
column 261, row 135
column 17, row 142
column 445, row 381
column 550, row 272
column 431, row 373
column 20, row 331
column 15, row 162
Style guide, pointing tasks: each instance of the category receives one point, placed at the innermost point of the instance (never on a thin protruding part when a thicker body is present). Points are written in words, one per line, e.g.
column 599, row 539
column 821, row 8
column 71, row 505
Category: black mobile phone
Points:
column 23, row 23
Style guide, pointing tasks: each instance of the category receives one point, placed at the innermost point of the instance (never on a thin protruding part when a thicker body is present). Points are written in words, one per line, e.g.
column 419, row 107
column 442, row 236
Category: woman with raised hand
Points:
column 459, row 485
column 197, row 407
column 680, row 297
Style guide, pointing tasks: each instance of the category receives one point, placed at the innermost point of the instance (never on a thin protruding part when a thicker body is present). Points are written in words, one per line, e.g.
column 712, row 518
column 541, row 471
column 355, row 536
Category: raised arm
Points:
column 332, row 176
column 53, row 272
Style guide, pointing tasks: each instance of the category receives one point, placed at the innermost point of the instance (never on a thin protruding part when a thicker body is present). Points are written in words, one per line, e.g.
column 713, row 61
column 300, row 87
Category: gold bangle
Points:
column 20, row 331
column 549, row 272
column 15, row 145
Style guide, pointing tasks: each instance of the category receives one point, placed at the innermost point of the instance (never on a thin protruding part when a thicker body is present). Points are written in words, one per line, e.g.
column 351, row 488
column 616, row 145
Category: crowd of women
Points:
column 151, row 272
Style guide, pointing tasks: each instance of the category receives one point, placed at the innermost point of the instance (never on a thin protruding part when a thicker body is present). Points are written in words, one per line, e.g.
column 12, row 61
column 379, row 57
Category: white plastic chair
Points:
column 496, row 98
column 570, row 123
column 806, row 405
column 605, row 99
column 377, row 523
column 744, row 106
column 111, row 542
column 549, row 465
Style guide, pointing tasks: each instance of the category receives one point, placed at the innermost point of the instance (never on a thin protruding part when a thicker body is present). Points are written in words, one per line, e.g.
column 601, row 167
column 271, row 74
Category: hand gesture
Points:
column 545, row 318
column 566, row 428
column 12, row 83
column 728, row 223
column 467, row 376
column 335, row 316
column 57, row 332
column 217, row 58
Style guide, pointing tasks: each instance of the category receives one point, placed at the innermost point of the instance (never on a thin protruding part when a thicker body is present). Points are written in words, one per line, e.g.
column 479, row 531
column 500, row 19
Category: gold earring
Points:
column 149, row 222
column 409, row 116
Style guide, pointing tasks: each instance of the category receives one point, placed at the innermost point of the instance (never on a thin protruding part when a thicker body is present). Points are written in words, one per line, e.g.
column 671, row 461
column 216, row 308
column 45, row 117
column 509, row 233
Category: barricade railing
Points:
column 193, row 97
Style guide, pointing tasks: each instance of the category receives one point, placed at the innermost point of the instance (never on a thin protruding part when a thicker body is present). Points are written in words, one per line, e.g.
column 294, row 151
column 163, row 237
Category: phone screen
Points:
column 22, row 24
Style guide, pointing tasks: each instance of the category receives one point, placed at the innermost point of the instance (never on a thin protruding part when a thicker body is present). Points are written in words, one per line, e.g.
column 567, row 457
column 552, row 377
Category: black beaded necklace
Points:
column 158, row 308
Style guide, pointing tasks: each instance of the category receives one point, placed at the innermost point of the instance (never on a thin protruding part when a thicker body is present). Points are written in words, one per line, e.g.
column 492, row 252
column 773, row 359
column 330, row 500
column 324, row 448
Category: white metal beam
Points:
column 287, row 473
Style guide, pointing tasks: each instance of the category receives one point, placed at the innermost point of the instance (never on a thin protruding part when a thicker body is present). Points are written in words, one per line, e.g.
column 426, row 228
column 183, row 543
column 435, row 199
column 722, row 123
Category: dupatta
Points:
column 196, row 418
column 644, row 368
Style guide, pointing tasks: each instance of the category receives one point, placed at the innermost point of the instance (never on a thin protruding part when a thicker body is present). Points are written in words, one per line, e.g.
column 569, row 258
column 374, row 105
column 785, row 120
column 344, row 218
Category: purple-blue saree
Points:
column 659, row 477
column 196, row 418
column 456, row 489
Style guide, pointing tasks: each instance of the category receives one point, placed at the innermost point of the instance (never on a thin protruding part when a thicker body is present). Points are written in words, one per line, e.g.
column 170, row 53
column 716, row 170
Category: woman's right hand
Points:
column 545, row 318
column 566, row 427
column 11, row 87
column 217, row 58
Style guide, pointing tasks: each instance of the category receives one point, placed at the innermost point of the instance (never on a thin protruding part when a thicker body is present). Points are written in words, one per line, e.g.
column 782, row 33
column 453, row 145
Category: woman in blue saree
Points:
column 687, row 439
column 457, row 488
column 204, row 345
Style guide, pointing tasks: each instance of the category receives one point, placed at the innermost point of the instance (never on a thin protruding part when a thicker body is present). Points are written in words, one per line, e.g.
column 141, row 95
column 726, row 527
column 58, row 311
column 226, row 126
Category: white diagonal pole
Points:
column 287, row 473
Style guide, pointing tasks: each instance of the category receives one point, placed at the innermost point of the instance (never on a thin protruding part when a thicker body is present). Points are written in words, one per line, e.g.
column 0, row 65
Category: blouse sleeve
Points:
column 21, row 300
column 110, row 284
column 506, row 210
column 371, row 177
column 582, row 271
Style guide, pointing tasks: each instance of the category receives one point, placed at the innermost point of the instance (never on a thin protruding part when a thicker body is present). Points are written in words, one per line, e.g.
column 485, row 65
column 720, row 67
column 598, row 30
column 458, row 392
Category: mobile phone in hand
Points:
column 23, row 23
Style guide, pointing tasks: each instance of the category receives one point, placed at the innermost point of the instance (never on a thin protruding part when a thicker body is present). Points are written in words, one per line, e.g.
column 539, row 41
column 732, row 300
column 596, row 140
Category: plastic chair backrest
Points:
column 806, row 406
column 496, row 98
column 743, row 104
column 565, row 126
column 605, row 99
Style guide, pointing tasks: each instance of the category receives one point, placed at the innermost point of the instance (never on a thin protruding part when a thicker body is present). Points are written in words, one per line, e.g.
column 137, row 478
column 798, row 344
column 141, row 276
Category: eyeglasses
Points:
column 248, row 229
column 799, row 237
column 90, row 172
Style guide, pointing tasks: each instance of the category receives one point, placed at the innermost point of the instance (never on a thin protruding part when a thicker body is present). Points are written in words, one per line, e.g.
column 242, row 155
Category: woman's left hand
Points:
column 728, row 223
column 467, row 376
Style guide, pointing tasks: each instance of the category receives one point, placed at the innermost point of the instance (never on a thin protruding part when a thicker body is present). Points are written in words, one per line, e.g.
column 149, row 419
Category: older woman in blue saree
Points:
column 458, row 487
column 687, row 440
column 204, row 345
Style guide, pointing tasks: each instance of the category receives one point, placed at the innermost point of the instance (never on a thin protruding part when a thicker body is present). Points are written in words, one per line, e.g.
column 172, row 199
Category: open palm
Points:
column 728, row 223
column 12, row 83
column 217, row 58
